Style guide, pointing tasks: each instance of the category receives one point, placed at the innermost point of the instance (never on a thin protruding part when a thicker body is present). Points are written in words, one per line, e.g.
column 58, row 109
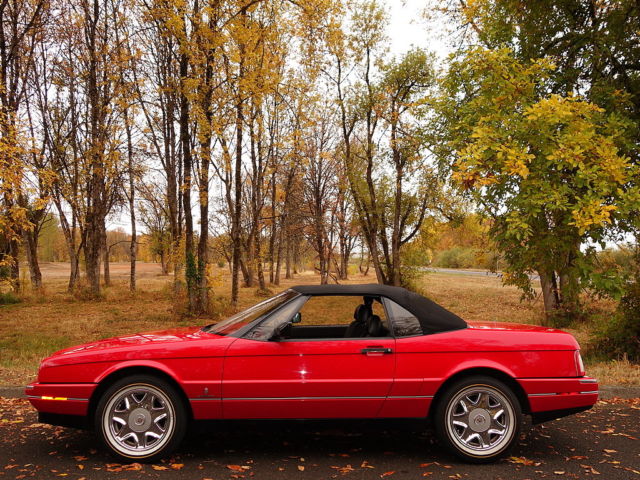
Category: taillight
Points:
column 579, row 364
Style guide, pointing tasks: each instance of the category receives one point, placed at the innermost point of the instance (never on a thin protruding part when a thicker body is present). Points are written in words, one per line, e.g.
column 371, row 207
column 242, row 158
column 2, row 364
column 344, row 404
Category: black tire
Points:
column 141, row 418
column 478, row 419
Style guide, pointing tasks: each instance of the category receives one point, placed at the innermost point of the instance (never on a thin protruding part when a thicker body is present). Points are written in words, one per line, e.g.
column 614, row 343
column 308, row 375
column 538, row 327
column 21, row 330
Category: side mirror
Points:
column 279, row 330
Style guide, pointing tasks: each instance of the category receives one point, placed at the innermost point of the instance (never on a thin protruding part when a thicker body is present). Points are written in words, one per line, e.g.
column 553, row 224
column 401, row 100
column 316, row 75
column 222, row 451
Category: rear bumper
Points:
column 60, row 398
column 551, row 398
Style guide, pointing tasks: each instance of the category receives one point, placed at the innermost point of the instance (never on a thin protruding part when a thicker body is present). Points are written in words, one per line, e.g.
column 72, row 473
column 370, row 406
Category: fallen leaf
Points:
column 237, row 468
column 387, row 474
column 365, row 464
column 301, row 468
column 345, row 469
column 159, row 467
column 590, row 469
column 134, row 467
column 523, row 461
column 559, row 472
column 80, row 467
column 177, row 466
column 608, row 450
column 80, row 458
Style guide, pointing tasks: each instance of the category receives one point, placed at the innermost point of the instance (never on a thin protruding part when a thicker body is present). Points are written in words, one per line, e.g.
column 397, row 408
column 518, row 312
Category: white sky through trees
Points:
column 407, row 28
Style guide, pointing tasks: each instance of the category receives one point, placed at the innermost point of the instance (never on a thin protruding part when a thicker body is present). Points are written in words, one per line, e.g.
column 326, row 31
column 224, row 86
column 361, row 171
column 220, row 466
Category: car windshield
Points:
column 239, row 320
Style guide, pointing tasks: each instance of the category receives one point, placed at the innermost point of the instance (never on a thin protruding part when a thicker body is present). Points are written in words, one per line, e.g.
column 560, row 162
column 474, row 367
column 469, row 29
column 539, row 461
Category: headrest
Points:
column 362, row 313
column 374, row 326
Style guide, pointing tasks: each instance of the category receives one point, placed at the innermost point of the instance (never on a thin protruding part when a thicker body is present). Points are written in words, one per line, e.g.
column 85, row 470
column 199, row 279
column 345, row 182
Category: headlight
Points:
column 579, row 364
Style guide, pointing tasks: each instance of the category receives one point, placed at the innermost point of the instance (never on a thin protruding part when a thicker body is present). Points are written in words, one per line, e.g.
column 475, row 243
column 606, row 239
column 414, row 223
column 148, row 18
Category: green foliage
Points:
column 547, row 168
column 414, row 255
column 619, row 335
column 8, row 298
column 619, row 260
column 457, row 257
column 191, row 271
column 594, row 44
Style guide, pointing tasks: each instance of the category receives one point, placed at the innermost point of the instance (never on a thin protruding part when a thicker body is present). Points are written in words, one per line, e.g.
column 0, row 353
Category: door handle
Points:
column 380, row 350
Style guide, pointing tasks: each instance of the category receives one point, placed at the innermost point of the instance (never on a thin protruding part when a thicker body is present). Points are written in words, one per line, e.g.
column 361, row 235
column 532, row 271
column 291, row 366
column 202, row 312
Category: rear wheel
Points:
column 478, row 419
column 141, row 418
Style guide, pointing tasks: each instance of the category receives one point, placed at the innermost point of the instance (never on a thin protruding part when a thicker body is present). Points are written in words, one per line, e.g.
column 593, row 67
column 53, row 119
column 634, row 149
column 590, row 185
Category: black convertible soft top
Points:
column 432, row 317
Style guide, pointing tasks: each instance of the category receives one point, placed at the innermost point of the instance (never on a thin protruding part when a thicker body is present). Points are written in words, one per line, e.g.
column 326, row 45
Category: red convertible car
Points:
column 329, row 351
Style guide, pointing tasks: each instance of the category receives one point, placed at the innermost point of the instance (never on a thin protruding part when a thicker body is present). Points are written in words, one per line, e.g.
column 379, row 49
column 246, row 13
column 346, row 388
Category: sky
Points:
column 408, row 28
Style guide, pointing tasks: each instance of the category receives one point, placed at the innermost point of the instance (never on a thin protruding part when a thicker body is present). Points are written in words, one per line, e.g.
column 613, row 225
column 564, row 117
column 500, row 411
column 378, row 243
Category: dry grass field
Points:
column 38, row 326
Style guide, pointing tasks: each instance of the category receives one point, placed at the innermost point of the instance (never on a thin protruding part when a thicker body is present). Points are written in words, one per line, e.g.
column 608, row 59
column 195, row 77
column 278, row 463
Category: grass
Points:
column 40, row 325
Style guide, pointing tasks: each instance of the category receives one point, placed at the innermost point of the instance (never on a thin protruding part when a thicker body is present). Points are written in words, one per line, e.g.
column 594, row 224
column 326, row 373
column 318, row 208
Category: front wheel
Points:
column 141, row 418
column 478, row 419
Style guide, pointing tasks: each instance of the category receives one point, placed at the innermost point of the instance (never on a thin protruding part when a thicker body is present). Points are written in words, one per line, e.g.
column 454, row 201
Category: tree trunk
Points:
column 550, row 296
column 185, row 143
column 74, row 275
column 248, row 270
column 132, row 210
column 203, row 243
column 287, row 258
column 92, row 251
column 30, row 238
column 272, row 230
column 570, row 295
column 237, row 210
column 258, row 259
column 106, row 252
column 69, row 232
column 14, row 269
column 394, row 275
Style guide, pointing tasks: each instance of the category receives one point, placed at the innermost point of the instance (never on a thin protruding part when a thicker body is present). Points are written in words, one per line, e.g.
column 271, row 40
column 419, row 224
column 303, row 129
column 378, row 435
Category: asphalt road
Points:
column 473, row 273
column 601, row 443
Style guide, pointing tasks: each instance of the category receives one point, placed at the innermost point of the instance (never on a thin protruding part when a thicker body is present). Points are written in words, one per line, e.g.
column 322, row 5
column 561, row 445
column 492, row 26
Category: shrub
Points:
column 619, row 336
column 8, row 298
column 456, row 257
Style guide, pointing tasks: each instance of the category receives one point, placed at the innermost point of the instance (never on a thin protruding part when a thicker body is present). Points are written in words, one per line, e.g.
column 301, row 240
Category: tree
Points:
column 594, row 45
column 547, row 168
column 20, row 25
column 391, row 182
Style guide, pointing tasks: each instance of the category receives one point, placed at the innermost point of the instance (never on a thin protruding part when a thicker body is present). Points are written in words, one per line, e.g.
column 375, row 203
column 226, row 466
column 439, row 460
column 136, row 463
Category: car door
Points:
column 332, row 377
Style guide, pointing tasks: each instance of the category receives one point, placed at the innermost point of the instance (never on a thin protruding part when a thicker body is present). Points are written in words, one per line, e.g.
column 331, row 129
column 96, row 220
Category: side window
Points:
column 405, row 324
column 329, row 310
column 324, row 317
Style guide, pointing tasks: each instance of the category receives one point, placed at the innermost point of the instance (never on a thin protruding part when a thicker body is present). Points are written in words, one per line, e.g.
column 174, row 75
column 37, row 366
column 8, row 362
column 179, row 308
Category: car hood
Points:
column 139, row 339
column 172, row 343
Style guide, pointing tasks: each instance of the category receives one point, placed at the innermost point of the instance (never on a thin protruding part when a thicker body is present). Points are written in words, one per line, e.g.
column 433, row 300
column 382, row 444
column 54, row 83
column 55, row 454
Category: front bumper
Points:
column 60, row 398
